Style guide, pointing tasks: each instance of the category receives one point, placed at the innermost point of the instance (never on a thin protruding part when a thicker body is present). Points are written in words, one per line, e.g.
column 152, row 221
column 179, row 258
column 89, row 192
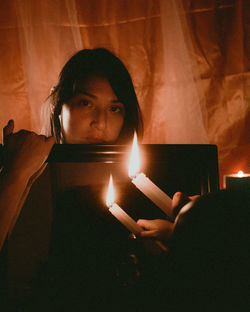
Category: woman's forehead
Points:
column 96, row 86
column 89, row 81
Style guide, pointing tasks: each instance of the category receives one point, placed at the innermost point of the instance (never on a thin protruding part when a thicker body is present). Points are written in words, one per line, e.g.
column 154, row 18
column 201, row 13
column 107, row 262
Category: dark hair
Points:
column 81, row 67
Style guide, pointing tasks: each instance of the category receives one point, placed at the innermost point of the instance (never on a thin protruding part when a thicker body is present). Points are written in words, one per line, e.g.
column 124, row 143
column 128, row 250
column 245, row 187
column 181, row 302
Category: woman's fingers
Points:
column 179, row 200
column 146, row 224
column 194, row 197
column 163, row 229
column 148, row 234
column 50, row 141
column 25, row 151
column 156, row 229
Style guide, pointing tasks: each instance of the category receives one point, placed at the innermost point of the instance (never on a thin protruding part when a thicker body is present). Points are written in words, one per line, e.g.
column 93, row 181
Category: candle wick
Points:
column 136, row 175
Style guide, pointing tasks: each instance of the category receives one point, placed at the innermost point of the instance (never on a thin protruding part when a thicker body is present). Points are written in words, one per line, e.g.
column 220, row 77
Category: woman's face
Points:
column 94, row 115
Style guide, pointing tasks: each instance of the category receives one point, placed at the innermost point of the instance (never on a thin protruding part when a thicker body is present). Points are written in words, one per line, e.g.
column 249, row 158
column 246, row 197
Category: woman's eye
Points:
column 116, row 109
column 85, row 103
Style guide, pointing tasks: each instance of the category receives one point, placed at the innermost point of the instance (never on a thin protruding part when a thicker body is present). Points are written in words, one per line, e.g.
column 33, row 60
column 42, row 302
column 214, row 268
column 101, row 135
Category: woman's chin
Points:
column 94, row 142
column 90, row 140
column 84, row 141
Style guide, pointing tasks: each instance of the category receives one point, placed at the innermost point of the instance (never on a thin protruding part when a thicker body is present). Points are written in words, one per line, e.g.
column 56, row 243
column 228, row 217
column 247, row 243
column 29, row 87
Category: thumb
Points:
column 8, row 129
column 179, row 200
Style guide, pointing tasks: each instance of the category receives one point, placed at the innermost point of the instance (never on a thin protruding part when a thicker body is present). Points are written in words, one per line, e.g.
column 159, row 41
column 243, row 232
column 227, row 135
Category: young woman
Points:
column 94, row 102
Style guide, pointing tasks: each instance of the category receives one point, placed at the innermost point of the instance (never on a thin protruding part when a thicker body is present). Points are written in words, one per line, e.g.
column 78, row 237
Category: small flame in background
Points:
column 134, row 162
column 240, row 174
column 110, row 198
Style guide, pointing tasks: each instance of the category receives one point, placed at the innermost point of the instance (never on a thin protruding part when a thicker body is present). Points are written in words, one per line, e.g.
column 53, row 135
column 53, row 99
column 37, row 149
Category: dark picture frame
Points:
column 192, row 169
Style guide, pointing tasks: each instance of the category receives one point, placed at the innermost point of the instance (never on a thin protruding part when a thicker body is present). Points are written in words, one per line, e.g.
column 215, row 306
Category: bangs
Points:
column 78, row 82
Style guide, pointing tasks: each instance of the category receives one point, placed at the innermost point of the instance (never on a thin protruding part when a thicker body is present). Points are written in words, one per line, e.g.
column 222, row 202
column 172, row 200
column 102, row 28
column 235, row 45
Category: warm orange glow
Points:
column 240, row 174
column 110, row 198
column 134, row 163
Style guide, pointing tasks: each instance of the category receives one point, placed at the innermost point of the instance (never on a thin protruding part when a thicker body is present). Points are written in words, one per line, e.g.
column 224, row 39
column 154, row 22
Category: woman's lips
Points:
column 93, row 140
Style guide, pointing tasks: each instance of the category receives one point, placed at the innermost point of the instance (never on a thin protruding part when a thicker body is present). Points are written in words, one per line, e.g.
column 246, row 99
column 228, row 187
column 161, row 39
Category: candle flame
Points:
column 240, row 174
column 134, row 163
column 110, row 198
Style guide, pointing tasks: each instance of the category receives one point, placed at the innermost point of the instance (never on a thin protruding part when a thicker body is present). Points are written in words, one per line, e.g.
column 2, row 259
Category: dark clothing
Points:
column 205, row 269
column 4, row 276
column 210, row 254
column 93, row 263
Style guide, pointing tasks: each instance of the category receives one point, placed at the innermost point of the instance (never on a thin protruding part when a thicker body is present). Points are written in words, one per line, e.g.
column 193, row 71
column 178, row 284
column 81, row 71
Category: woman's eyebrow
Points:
column 88, row 94
column 117, row 101
column 95, row 97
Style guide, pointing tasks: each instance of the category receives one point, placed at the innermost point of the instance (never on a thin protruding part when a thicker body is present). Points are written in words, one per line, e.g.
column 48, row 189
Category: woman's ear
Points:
column 52, row 90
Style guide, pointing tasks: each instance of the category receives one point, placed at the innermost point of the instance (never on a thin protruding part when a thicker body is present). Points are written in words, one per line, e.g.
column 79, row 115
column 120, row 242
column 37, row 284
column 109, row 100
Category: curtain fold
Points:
column 49, row 34
column 189, row 60
column 182, row 111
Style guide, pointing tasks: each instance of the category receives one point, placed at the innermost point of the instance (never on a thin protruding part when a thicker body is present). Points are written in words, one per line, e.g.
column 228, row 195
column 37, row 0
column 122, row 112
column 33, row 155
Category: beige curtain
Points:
column 189, row 60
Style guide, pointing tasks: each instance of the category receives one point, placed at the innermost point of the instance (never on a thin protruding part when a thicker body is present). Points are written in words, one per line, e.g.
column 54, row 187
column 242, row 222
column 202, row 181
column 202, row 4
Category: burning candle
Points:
column 118, row 212
column 145, row 185
column 240, row 180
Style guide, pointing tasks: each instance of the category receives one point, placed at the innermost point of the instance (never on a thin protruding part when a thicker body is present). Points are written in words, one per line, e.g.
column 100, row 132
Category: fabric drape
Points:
column 189, row 60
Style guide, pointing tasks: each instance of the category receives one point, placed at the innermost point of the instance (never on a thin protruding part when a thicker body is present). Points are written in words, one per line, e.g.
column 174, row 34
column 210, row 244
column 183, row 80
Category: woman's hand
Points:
column 156, row 229
column 24, row 152
column 161, row 229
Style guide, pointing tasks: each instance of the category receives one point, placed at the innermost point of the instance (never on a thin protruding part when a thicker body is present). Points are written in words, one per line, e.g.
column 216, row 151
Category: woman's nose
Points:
column 98, row 119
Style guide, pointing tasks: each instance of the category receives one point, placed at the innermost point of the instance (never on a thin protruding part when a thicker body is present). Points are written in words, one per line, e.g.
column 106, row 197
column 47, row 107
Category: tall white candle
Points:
column 125, row 219
column 119, row 213
column 145, row 185
column 154, row 193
